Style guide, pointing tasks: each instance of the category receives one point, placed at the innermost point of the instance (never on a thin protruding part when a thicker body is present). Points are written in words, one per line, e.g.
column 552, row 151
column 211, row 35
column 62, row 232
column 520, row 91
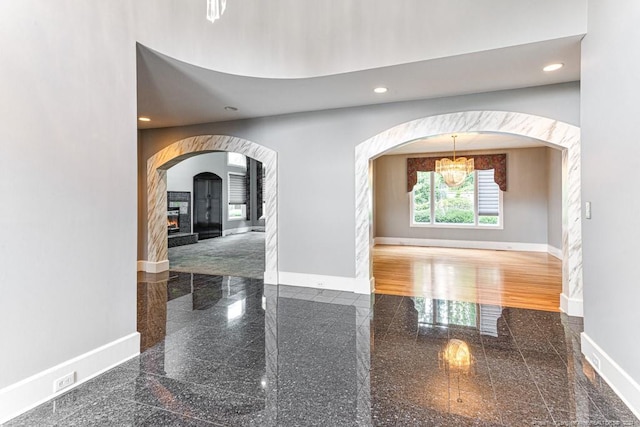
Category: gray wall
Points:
column 316, row 164
column 610, row 84
column 67, row 175
column 554, row 198
column 524, row 202
column 180, row 178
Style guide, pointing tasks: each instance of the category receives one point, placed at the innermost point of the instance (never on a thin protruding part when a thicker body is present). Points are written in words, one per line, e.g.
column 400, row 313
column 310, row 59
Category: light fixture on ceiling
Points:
column 455, row 171
column 553, row 67
column 230, row 108
column 144, row 119
column 380, row 89
column 215, row 9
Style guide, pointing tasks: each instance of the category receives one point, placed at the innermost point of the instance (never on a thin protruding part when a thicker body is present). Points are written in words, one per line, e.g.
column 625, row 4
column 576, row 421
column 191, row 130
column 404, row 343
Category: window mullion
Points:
column 476, row 196
column 431, row 197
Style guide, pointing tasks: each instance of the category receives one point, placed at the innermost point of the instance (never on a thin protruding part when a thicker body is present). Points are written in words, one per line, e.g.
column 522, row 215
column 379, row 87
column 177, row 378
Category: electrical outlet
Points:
column 64, row 382
column 595, row 361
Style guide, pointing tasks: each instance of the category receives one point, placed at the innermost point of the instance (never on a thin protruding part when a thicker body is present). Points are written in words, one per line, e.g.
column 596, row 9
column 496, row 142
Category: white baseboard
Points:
column 571, row 306
column 318, row 281
column 230, row 231
column 37, row 389
column 363, row 286
column 153, row 267
column 618, row 379
column 463, row 244
column 553, row 251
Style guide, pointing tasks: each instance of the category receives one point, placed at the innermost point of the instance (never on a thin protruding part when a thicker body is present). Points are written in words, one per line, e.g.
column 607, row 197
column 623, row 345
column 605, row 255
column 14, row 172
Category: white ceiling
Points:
column 173, row 93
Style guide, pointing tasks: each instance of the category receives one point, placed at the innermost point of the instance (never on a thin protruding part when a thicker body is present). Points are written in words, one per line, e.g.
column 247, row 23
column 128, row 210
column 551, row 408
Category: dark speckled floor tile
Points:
column 517, row 413
column 164, row 418
column 109, row 412
column 327, row 358
column 205, row 403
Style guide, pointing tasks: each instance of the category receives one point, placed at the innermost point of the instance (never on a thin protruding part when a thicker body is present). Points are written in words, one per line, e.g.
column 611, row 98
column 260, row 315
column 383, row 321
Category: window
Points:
column 237, row 197
column 237, row 159
column 476, row 202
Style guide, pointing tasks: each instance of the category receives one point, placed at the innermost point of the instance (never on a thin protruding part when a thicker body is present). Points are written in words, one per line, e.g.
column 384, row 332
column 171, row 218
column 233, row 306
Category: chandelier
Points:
column 215, row 9
column 454, row 172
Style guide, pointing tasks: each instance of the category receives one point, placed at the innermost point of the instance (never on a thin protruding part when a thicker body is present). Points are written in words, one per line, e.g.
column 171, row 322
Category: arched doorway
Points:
column 552, row 132
column 157, row 165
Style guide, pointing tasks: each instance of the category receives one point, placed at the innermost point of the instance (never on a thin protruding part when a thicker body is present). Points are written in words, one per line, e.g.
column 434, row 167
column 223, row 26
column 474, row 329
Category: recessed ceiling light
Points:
column 553, row 67
column 230, row 108
column 144, row 119
column 380, row 90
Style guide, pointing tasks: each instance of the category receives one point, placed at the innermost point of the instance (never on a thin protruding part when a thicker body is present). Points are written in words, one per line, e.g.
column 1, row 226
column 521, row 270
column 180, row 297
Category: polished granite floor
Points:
column 231, row 351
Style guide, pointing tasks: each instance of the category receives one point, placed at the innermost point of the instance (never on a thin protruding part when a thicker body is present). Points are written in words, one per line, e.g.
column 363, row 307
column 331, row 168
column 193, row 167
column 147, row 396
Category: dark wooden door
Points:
column 207, row 200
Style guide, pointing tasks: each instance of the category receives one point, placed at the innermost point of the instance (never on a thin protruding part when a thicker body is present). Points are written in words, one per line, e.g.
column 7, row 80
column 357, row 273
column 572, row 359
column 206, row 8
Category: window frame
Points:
column 475, row 226
column 236, row 165
column 242, row 217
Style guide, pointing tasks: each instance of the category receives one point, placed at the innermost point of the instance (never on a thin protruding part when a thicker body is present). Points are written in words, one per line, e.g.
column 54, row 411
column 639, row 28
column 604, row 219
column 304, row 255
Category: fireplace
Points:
column 173, row 220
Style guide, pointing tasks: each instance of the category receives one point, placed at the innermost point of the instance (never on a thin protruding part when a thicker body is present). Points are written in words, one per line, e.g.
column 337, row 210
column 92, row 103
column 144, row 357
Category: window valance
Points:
column 497, row 162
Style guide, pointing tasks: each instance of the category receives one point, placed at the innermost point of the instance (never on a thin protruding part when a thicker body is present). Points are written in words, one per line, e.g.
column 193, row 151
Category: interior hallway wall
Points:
column 609, row 117
column 316, row 198
column 67, row 173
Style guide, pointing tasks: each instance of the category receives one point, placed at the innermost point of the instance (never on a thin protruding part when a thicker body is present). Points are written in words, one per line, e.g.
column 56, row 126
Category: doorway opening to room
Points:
column 218, row 193
column 222, row 215
column 495, row 238
column 533, row 228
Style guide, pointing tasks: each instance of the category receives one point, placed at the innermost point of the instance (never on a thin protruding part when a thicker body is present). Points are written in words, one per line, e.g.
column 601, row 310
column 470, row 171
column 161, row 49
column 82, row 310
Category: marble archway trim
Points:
column 157, row 166
column 555, row 133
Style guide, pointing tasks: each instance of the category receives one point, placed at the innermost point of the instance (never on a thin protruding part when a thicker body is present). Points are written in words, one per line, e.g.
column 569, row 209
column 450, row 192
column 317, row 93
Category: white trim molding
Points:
column 571, row 306
column 463, row 244
column 153, row 267
column 239, row 230
column 555, row 252
column 318, row 281
column 37, row 389
column 618, row 379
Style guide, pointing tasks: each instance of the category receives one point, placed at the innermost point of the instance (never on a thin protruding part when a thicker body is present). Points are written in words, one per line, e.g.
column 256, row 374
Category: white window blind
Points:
column 488, row 194
column 237, row 190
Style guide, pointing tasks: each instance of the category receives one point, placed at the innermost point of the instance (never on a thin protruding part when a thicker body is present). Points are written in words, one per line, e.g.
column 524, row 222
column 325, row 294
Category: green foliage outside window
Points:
column 451, row 205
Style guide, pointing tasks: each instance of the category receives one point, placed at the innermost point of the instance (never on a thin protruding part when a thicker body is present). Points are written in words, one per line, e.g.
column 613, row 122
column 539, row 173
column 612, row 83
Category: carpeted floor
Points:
column 239, row 255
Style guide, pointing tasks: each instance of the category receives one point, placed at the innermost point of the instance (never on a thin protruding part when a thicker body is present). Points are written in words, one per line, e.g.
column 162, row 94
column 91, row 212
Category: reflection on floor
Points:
column 505, row 278
column 237, row 254
column 239, row 353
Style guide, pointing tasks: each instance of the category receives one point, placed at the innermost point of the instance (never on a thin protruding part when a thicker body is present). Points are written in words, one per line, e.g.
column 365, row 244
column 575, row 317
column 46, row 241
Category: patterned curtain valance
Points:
column 497, row 162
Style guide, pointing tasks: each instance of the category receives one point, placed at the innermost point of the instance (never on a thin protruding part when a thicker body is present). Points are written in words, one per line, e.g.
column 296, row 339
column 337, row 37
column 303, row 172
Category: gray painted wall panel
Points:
column 610, row 84
column 68, row 170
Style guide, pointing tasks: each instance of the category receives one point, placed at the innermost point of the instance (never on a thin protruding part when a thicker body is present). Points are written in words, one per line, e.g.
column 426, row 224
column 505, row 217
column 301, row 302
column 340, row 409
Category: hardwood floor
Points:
column 510, row 279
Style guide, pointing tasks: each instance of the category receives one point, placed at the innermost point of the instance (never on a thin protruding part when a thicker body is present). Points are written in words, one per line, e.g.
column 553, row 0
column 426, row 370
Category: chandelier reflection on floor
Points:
column 215, row 9
column 456, row 358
